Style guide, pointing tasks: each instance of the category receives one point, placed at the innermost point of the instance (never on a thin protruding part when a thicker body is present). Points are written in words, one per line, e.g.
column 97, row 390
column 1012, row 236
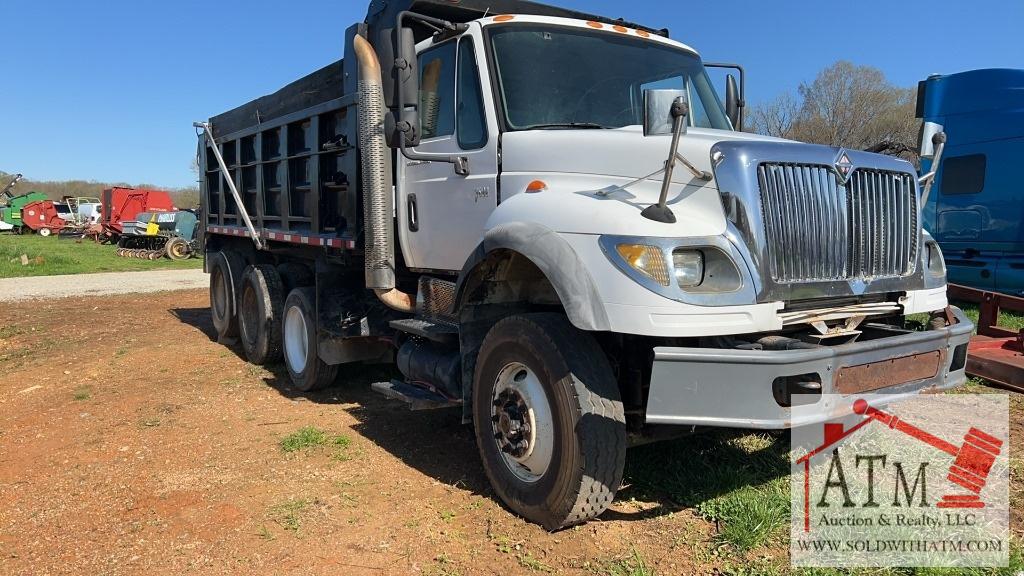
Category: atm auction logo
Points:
column 919, row 482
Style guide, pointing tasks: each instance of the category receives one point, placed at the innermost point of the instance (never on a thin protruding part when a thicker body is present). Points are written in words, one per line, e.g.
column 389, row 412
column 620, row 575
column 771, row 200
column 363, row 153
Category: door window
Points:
column 471, row 121
column 437, row 91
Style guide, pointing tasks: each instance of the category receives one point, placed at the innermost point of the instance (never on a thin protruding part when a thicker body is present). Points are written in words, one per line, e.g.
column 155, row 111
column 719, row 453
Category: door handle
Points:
column 412, row 215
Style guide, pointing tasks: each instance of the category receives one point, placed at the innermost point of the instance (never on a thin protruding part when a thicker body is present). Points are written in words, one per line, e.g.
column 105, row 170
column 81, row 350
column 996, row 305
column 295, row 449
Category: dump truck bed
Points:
column 292, row 154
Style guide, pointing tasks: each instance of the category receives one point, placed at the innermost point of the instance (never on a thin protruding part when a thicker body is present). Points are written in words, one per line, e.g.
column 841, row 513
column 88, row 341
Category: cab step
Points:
column 417, row 398
column 437, row 331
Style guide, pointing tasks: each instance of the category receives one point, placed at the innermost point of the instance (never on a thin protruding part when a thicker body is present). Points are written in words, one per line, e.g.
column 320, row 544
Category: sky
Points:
column 108, row 90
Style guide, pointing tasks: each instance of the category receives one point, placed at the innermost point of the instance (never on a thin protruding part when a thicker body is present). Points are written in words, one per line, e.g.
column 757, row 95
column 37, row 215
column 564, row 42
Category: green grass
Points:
column 289, row 514
column 313, row 437
column 530, row 562
column 82, row 393
column 632, row 566
column 308, row 437
column 52, row 256
column 740, row 482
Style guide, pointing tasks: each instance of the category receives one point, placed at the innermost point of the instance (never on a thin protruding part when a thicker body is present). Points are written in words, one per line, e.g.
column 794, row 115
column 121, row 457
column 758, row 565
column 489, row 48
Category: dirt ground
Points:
column 131, row 443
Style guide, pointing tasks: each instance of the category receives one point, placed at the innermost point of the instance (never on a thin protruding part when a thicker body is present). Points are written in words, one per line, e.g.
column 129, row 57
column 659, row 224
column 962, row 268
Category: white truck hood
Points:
column 582, row 169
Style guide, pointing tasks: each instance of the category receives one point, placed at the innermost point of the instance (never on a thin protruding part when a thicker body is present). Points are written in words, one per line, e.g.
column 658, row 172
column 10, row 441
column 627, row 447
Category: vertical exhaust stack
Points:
column 378, row 202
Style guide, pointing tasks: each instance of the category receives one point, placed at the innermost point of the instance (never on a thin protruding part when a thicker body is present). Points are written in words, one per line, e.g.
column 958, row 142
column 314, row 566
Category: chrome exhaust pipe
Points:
column 378, row 201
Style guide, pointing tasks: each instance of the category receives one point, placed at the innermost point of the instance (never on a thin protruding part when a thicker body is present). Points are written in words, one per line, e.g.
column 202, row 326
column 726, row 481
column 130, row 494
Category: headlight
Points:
column 700, row 271
column 648, row 260
column 689, row 267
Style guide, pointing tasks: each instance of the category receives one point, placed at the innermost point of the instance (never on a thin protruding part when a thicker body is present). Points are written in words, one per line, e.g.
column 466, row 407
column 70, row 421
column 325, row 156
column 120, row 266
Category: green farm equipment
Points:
column 10, row 212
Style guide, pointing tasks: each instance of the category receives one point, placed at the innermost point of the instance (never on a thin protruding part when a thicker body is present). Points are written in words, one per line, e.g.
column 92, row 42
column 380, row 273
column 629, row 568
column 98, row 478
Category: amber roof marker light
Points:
column 536, row 186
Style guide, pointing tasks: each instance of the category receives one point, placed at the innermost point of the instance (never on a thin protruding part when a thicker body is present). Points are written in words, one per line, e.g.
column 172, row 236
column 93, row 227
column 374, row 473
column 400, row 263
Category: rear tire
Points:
column 225, row 278
column 305, row 368
column 44, row 232
column 549, row 421
column 259, row 314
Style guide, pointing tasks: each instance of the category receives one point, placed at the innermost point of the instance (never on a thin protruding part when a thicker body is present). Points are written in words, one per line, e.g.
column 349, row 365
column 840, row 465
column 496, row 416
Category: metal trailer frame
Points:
column 996, row 353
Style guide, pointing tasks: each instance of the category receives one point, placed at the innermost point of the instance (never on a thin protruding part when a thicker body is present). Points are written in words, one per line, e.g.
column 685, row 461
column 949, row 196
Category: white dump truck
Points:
column 551, row 220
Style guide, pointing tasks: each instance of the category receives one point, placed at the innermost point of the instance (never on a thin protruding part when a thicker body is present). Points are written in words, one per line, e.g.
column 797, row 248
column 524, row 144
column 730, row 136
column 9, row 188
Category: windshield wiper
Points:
column 569, row 125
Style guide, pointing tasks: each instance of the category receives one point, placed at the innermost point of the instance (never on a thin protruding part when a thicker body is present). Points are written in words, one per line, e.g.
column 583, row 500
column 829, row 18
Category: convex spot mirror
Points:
column 659, row 117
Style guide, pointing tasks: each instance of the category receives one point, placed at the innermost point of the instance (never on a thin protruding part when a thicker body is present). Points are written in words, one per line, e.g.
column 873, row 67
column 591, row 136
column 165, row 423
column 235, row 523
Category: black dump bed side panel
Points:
column 466, row 10
column 321, row 86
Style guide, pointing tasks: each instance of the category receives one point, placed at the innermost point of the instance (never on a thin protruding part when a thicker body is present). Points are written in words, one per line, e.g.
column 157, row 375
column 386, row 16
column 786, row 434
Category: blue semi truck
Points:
column 976, row 207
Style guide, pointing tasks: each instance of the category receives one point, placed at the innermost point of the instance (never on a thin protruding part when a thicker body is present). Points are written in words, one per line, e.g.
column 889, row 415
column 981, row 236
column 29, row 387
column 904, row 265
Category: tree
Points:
column 846, row 105
column 775, row 118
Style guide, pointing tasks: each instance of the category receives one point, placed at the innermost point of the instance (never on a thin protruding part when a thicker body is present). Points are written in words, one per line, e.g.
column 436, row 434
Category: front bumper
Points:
column 733, row 388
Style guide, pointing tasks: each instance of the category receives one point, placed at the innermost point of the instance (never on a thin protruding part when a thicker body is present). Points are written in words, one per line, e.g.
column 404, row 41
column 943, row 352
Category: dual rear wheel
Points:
column 251, row 302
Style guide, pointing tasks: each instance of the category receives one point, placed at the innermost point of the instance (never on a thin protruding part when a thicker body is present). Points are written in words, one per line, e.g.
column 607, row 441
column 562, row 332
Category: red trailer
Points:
column 120, row 205
column 42, row 217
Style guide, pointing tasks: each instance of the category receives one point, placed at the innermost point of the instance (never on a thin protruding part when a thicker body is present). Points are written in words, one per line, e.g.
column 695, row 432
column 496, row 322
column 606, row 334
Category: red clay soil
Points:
column 131, row 443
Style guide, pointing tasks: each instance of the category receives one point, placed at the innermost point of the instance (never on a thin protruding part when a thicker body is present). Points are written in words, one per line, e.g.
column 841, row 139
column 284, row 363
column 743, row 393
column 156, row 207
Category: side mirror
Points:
column 732, row 101
column 401, row 84
column 662, row 108
column 927, row 144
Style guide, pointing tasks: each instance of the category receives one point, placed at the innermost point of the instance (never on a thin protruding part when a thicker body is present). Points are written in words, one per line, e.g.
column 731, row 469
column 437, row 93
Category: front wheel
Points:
column 305, row 368
column 549, row 421
column 44, row 232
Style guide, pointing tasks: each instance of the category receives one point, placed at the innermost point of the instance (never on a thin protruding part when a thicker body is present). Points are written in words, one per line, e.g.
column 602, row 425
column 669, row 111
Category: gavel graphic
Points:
column 972, row 461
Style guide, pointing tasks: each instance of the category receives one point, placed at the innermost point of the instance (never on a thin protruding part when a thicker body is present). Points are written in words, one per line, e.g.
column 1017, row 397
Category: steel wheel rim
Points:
column 220, row 293
column 521, row 422
column 296, row 340
column 248, row 316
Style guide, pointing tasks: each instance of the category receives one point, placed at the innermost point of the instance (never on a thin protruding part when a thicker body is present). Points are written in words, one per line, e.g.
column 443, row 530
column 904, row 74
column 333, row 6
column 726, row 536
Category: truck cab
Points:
column 551, row 220
column 976, row 210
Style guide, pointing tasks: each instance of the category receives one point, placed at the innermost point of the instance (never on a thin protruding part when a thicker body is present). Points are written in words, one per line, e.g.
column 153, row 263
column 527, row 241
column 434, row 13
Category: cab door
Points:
column 441, row 213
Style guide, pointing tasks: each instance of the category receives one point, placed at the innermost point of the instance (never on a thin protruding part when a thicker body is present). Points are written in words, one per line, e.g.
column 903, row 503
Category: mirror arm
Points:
column 939, row 140
column 460, row 163
column 660, row 212
column 697, row 173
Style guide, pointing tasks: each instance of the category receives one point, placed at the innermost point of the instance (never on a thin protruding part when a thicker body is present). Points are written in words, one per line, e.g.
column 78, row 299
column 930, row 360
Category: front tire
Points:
column 260, row 310
column 549, row 421
column 305, row 368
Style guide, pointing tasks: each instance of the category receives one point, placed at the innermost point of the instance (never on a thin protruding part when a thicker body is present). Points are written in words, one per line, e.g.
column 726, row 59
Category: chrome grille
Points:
column 820, row 230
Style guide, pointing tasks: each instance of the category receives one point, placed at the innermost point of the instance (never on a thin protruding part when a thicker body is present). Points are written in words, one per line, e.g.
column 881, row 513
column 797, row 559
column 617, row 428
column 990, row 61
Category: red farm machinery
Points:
column 996, row 353
column 43, row 217
column 122, row 205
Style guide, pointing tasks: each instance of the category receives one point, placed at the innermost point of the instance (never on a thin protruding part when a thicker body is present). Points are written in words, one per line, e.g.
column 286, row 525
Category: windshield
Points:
column 557, row 76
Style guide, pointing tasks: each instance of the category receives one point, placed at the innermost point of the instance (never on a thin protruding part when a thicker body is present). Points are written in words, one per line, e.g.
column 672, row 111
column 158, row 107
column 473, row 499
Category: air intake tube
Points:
column 378, row 201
